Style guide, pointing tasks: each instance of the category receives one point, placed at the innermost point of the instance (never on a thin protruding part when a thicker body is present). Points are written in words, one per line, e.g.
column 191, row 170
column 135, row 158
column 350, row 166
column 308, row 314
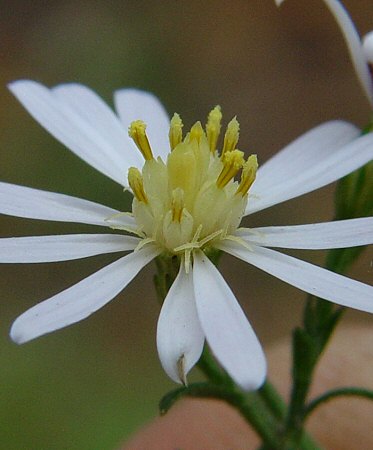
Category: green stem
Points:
column 346, row 391
column 249, row 406
column 273, row 400
column 265, row 409
column 212, row 370
column 353, row 199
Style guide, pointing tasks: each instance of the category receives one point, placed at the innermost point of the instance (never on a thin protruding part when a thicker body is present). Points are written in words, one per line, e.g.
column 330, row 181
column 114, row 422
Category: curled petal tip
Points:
column 368, row 47
column 181, row 370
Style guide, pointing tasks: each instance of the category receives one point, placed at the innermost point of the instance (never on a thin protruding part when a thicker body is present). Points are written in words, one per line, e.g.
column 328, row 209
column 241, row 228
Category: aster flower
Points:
column 187, row 202
column 361, row 50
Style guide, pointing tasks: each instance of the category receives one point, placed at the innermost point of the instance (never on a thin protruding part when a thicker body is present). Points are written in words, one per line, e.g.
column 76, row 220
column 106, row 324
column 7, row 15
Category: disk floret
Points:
column 192, row 199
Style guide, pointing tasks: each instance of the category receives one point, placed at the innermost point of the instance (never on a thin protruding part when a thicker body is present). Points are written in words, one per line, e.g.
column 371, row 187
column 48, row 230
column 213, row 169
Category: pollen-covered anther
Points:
column 196, row 132
column 175, row 134
column 136, row 183
column 231, row 136
column 213, row 127
column 137, row 132
column 232, row 163
column 177, row 204
column 248, row 175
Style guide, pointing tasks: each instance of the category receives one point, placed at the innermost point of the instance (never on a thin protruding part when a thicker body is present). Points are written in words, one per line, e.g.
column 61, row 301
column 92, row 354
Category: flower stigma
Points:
column 193, row 199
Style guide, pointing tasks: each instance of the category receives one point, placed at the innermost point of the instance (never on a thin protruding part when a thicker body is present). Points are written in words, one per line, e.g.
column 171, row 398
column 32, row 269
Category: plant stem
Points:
column 346, row 391
column 264, row 410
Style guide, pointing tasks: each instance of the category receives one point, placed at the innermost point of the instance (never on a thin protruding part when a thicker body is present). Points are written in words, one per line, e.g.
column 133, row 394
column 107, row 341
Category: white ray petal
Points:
column 31, row 203
column 322, row 172
column 316, row 236
column 134, row 104
column 227, row 330
column 314, row 145
column 70, row 125
column 180, row 337
column 90, row 107
column 353, row 42
column 36, row 249
column 305, row 276
column 81, row 300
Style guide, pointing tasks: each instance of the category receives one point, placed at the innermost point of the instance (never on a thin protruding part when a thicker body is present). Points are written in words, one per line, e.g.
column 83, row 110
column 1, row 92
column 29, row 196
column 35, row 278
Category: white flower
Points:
column 361, row 53
column 186, row 202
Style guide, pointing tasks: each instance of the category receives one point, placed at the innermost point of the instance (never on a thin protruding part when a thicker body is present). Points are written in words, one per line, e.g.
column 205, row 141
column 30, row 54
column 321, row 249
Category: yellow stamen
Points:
column 231, row 136
column 138, row 134
column 196, row 132
column 177, row 204
column 176, row 133
column 213, row 127
column 248, row 175
column 137, row 185
column 239, row 240
column 233, row 161
column 144, row 242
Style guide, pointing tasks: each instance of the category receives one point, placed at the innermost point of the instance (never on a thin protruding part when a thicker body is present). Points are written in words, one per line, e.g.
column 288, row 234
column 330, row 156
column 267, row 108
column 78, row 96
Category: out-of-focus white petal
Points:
column 134, row 104
column 321, row 172
column 31, row 203
column 316, row 236
column 226, row 328
column 180, row 337
column 354, row 45
column 82, row 299
column 368, row 47
column 79, row 124
column 305, row 276
column 36, row 249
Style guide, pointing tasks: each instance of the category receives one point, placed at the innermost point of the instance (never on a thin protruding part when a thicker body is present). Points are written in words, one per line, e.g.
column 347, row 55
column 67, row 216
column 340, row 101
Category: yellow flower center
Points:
column 192, row 199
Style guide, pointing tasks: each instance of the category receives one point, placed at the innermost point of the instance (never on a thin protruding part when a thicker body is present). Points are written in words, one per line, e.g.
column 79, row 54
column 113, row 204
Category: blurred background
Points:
column 90, row 386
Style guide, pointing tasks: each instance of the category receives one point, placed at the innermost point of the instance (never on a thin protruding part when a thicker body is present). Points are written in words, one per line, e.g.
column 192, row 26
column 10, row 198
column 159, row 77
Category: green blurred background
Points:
column 92, row 385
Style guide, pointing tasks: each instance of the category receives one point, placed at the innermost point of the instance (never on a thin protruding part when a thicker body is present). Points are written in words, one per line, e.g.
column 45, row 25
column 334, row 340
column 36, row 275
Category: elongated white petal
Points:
column 180, row 337
column 133, row 104
column 90, row 107
column 226, row 328
column 305, row 276
column 82, row 299
column 36, row 249
column 79, row 124
column 323, row 171
column 22, row 201
column 305, row 151
column 316, row 236
column 353, row 42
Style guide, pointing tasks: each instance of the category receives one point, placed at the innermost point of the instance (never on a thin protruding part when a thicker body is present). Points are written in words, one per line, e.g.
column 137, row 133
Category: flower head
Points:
column 171, row 197
column 188, row 200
